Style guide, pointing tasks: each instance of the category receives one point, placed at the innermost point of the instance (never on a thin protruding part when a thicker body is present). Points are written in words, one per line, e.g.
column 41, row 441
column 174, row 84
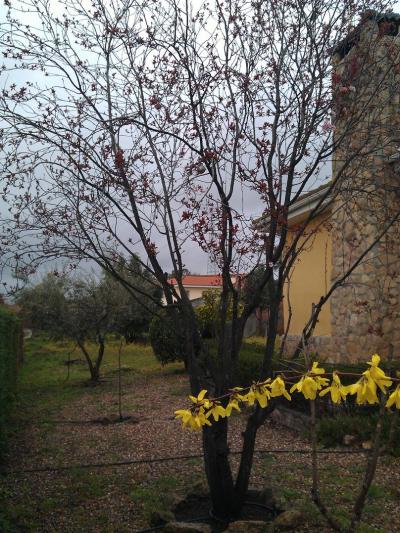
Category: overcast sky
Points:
column 195, row 260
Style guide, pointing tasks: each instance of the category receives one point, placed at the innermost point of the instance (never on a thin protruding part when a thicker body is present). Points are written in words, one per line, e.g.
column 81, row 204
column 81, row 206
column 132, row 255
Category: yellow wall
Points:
column 310, row 278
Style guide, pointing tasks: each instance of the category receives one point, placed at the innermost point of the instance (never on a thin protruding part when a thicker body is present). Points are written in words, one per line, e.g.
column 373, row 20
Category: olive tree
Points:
column 77, row 308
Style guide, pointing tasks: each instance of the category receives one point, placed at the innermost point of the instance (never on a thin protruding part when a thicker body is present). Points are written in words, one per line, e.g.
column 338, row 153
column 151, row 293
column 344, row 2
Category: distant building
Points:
column 196, row 284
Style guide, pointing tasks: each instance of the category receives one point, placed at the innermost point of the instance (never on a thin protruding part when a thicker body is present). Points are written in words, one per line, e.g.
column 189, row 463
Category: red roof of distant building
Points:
column 200, row 281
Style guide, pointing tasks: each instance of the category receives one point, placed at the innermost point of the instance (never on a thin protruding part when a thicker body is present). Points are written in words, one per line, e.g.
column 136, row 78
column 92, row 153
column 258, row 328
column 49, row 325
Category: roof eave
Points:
column 303, row 207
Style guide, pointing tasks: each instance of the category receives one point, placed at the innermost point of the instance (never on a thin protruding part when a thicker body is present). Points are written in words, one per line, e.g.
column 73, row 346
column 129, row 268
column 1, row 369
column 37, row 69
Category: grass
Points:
column 156, row 496
column 44, row 385
column 339, row 485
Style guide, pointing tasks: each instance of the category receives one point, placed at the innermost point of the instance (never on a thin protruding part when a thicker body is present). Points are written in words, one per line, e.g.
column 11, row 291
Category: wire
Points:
column 165, row 459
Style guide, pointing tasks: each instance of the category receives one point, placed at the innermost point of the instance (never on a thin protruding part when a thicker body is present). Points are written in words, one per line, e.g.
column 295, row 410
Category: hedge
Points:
column 10, row 356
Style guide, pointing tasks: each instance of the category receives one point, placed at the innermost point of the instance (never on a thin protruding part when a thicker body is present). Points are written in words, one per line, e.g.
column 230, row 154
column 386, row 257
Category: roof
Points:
column 313, row 191
column 308, row 201
column 200, row 280
column 303, row 205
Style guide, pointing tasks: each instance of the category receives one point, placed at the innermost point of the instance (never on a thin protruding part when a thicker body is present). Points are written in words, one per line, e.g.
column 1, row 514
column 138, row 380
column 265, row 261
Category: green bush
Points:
column 332, row 430
column 249, row 364
column 10, row 331
column 167, row 337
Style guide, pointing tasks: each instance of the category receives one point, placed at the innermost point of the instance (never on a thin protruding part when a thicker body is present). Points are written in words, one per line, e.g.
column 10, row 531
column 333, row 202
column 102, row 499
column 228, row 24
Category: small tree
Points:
column 88, row 318
column 44, row 304
column 207, row 314
column 75, row 308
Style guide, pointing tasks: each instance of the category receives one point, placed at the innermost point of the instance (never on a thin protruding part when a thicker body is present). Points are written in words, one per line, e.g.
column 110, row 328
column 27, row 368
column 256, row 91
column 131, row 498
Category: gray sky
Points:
column 194, row 258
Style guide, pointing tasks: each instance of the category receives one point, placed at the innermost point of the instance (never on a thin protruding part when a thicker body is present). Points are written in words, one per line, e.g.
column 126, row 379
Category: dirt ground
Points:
column 123, row 498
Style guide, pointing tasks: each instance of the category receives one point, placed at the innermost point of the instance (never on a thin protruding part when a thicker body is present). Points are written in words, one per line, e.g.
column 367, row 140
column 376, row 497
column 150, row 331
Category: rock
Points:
column 289, row 520
column 158, row 518
column 199, row 490
column 349, row 440
column 281, row 503
column 267, row 498
column 264, row 497
column 249, row 526
column 186, row 527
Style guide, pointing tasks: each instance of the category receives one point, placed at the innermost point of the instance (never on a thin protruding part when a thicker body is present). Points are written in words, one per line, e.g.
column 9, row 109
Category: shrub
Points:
column 10, row 354
column 332, row 430
column 249, row 364
column 207, row 314
column 206, row 321
column 167, row 337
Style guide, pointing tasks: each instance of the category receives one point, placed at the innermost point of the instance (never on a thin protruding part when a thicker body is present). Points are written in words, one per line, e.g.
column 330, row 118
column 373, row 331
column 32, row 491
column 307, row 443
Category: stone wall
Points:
column 365, row 310
column 321, row 345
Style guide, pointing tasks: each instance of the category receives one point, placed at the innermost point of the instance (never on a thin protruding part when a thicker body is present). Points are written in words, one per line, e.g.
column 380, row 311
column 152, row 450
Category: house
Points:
column 311, row 274
column 196, row 284
column 362, row 200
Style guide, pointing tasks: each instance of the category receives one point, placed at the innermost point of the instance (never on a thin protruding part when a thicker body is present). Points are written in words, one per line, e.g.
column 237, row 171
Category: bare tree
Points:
column 153, row 128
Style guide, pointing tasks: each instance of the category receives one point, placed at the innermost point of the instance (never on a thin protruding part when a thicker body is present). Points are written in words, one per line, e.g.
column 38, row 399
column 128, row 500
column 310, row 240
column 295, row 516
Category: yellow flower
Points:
column 200, row 400
column 193, row 419
column 365, row 389
column 197, row 417
column 316, row 370
column 337, row 390
column 307, row 386
column 311, row 383
column 278, row 388
column 377, row 374
column 394, row 398
column 216, row 410
column 258, row 393
column 234, row 400
column 233, row 404
column 185, row 415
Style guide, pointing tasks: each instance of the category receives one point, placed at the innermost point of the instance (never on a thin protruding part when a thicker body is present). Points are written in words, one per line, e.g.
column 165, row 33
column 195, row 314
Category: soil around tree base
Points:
column 198, row 508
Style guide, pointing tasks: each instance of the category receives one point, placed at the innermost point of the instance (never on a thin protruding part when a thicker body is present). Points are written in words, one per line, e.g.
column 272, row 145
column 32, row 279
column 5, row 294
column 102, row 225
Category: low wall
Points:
column 331, row 349
column 321, row 345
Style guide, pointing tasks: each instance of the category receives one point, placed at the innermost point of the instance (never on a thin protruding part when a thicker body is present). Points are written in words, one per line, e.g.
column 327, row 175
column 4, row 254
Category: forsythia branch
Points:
column 311, row 384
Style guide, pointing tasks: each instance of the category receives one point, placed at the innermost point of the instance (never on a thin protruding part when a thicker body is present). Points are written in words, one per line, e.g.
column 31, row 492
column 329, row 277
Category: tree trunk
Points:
column 94, row 375
column 119, row 381
column 272, row 329
column 259, row 415
column 218, row 471
column 100, row 355
column 246, row 461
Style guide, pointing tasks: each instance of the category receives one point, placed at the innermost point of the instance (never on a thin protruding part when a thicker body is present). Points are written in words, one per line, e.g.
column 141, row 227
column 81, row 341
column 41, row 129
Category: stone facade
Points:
column 320, row 344
column 365, row 312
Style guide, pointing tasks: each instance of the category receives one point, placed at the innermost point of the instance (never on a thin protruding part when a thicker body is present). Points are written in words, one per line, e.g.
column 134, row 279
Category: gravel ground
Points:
column 119, row 499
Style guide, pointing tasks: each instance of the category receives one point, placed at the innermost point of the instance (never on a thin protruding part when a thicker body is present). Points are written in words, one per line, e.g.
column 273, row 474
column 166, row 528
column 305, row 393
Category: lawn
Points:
column 60, row 421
